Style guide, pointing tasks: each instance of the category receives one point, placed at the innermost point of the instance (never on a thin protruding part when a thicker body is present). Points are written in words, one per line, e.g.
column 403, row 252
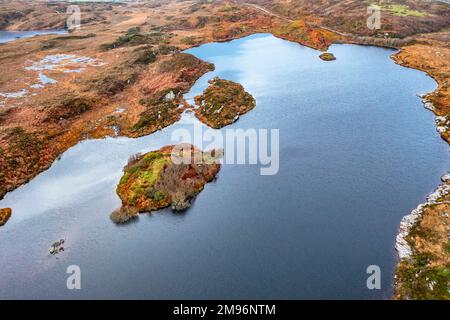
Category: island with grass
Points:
column 169, row 177
column 222, row 103
column 327, row 56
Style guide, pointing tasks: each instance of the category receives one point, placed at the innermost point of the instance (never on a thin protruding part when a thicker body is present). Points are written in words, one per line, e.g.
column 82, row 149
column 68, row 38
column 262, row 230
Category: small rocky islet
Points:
column 157, row 180
column 57, row 247
column 327, row 56
column 222, row 103
column 169, row 177
column 5, row 214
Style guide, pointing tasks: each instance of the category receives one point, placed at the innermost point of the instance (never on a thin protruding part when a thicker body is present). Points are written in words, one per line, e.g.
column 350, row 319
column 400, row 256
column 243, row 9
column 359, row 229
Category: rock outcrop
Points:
column 423, row 246
column 5, row 214
column 169, row 177
column 327, row 56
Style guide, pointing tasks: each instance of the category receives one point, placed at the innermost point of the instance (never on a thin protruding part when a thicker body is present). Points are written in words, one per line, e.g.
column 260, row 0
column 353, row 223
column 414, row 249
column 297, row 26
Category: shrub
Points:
column 123, row 215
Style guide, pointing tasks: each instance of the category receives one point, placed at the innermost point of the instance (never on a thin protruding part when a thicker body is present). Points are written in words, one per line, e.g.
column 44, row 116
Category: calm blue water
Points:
column 7, row 36
column 358, row 151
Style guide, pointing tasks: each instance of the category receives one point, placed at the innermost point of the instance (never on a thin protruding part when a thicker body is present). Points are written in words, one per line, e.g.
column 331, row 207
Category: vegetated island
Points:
column 171, row 176
column 222, row 103
column 5, row 214
column 327, row 56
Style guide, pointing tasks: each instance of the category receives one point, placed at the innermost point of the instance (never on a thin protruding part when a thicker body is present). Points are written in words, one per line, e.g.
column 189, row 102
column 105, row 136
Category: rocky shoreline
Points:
column 402, row 246
column 422, row 242
column 423, row 270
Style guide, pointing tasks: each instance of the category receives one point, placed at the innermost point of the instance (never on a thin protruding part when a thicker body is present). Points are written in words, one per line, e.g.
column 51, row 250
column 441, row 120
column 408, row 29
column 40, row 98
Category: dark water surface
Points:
column 357, row 152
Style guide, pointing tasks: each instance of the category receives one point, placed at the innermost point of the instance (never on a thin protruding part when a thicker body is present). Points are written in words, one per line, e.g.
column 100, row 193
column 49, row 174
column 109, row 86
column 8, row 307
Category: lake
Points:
column 7, row 36
column 357, row 152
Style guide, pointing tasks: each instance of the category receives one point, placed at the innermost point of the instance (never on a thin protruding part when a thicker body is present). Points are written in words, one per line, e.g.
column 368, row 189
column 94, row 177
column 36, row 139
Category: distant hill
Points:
column 400, row 18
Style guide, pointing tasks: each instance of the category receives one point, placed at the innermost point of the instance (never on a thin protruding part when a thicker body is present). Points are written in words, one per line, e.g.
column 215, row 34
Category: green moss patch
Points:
column 401, row 10
column 134, row 37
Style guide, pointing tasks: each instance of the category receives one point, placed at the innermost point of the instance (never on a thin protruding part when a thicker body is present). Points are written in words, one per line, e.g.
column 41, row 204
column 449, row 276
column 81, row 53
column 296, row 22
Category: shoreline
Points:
column 408, row 221
column 421, row 271
column 406, row 250
column 407, row 242
column 402, row 246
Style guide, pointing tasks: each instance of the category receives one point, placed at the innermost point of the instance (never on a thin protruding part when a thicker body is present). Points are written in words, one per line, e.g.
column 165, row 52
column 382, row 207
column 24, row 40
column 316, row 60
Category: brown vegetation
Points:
column 5, row 214
column 139, row 44
column 432, row 57
column 426, row 274
column 351, row 16
column 327, row 56
column 171, row 176
column 222, row 103
column 40, row 15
